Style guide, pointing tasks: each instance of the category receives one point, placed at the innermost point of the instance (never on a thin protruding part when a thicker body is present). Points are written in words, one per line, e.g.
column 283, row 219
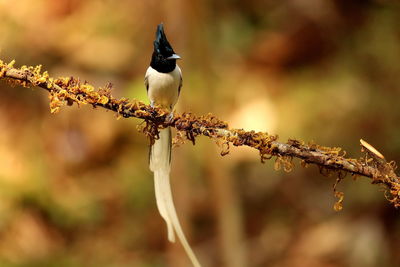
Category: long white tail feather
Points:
column 160, row 159
column 159, row 176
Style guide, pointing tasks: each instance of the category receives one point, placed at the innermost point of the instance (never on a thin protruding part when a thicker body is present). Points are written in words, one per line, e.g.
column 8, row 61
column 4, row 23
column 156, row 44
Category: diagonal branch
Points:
column 66, row 91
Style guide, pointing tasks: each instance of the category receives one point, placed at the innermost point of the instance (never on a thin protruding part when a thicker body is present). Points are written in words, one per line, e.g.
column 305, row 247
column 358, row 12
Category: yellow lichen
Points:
column 5, row 67
column 103, row 100
column 338, row 206
column 11, row 64
column 55, row 103
column 87, row 88
column 277, row 164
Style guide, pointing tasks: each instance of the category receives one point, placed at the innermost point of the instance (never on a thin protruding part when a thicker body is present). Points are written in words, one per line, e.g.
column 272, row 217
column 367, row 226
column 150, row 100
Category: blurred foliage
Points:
column 76, row 189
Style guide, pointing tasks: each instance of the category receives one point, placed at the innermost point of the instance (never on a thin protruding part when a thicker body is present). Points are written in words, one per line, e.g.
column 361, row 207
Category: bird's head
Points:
column 164, row 57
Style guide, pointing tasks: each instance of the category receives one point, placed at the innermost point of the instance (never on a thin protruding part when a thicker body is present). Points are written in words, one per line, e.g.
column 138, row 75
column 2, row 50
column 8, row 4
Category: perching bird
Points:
column 163, row 82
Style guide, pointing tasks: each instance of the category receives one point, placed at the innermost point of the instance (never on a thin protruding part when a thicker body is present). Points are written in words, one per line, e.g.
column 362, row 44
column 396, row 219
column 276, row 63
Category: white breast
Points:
column 163, row 87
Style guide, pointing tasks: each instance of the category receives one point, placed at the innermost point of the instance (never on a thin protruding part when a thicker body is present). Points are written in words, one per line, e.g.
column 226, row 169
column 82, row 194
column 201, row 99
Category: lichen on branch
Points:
column 69, row 90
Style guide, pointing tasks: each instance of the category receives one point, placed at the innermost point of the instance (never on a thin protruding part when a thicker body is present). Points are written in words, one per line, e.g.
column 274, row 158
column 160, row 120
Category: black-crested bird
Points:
column 163, row 82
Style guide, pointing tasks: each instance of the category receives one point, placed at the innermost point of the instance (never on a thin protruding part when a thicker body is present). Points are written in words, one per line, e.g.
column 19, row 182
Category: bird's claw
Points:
column 170, row 117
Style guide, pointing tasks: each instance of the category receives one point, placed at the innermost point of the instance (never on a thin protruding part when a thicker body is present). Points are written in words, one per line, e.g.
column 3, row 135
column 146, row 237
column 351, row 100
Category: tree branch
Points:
column 69, row 90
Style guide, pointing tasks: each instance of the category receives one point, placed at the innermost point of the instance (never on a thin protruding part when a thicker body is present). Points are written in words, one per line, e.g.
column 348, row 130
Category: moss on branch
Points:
column 68, row 90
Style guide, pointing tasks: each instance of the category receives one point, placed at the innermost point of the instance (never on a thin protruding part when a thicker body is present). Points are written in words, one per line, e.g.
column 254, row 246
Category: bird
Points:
column 163, row 81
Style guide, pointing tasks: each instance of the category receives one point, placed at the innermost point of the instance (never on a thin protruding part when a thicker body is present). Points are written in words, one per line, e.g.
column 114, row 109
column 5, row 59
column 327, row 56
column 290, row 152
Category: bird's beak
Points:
column 174, row 56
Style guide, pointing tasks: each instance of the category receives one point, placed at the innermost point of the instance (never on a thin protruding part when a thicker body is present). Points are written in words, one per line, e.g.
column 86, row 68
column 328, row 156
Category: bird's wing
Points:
column 180, row 86
column 146, row 82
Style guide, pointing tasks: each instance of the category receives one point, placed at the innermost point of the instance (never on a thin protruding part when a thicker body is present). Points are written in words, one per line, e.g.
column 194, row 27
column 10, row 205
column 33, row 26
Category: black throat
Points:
column 161, row 64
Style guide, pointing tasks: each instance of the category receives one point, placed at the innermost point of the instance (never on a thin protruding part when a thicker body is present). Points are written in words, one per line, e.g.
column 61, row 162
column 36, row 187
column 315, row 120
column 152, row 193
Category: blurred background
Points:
column 75, row 189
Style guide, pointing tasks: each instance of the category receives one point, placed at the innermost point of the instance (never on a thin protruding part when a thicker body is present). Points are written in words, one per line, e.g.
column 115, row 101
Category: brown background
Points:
column 75, row 189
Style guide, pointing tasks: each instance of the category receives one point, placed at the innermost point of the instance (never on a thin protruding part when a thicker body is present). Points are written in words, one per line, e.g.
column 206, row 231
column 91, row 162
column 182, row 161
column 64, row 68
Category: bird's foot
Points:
column 170, row 117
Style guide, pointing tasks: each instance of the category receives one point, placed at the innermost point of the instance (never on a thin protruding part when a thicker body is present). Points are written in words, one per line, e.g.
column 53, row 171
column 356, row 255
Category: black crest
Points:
column 160, row 59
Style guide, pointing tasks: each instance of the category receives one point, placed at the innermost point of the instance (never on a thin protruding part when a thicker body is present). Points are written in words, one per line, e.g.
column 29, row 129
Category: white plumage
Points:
column 163, row 89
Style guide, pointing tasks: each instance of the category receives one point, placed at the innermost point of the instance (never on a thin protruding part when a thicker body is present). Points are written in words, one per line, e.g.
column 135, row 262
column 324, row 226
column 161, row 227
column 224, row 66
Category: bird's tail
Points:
column 160, row 162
